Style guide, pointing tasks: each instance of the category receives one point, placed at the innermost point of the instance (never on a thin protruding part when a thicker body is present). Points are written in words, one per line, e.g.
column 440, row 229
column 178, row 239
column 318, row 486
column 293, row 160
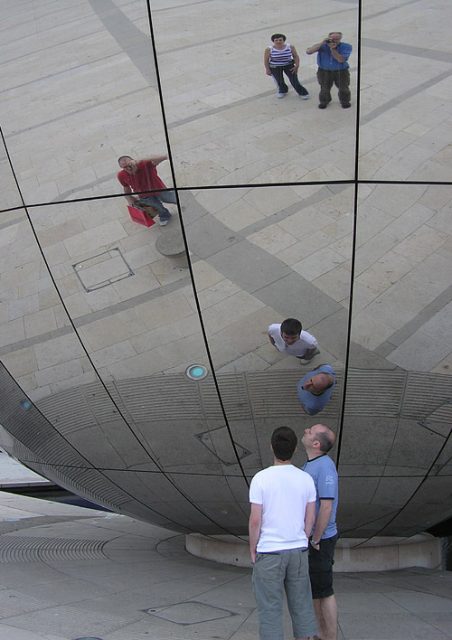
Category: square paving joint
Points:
column 102, row 270
column 186, row 613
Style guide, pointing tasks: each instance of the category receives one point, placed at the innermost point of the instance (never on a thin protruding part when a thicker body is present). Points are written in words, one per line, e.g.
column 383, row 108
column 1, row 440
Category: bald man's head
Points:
column 319, row 437
column 318, row 383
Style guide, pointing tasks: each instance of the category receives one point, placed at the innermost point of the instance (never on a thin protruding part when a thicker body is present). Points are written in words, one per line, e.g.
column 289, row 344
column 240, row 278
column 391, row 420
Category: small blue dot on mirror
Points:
column 196, row 372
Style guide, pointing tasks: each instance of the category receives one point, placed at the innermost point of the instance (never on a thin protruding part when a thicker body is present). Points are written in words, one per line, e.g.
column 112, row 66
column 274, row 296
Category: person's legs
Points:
column 155, row 202
column 293, row 79
column 326, row 612
column 342, row 82
column 277, row 73
column 319, row 616
column 168, row 196
column 325, row 80
column 321, row 575
column 268, row 590
column 298, row 592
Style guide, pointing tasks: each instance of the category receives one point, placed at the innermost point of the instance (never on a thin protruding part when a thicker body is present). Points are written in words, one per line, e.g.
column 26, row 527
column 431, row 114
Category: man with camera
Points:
column 332, row 60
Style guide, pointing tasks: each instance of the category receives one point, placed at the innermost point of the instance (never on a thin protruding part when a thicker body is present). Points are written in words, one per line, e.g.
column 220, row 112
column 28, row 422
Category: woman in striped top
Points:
column 282, row 57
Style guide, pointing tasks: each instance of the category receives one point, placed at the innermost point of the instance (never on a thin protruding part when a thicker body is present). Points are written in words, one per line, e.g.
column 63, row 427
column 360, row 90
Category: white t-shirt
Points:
column 299, row 348
column 283, row 491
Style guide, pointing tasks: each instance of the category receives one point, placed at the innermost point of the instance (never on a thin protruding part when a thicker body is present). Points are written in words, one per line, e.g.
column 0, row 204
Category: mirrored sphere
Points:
column 164, row 211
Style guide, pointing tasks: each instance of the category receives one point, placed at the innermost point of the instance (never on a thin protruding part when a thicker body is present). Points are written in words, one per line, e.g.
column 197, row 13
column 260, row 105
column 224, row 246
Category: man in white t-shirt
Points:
column 289, row 337
column 283, row 500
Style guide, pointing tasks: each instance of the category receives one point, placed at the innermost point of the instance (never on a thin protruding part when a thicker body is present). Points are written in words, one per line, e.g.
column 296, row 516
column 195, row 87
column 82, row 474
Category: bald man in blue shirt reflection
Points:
column 315, row 389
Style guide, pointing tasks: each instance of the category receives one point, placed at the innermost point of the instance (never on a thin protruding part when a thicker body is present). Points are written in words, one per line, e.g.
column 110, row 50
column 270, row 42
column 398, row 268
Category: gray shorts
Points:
column 273, row 574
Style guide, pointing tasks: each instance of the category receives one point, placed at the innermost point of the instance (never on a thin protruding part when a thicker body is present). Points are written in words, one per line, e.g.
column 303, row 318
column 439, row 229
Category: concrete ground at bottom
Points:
column 69, row 573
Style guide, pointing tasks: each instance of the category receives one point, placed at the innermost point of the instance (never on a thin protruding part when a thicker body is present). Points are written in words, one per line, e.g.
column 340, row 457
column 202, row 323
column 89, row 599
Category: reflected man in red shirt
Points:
column 138, row 176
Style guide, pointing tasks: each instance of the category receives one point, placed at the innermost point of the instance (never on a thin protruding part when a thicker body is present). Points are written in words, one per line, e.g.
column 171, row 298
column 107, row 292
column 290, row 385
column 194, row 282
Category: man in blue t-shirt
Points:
column 315, row 389
column 332, row 61
column 317, row 441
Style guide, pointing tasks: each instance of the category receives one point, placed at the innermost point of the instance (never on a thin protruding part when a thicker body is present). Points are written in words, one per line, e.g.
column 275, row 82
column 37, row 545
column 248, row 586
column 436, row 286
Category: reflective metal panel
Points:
column 8, row 187
column 261, row 255
column 227, row 124
column 406, row 102
column 398, row 384
column 79, row 89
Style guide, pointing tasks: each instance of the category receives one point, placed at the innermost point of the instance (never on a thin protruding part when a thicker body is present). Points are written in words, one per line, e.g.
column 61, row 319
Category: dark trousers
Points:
column 341, row 78
column 277, row 73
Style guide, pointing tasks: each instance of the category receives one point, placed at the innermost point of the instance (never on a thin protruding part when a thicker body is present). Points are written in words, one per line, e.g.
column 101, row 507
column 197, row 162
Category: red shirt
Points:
column 145, row 178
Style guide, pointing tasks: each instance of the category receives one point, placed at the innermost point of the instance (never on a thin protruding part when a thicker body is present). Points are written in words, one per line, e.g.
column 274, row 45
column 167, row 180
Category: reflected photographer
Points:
column 333, row 68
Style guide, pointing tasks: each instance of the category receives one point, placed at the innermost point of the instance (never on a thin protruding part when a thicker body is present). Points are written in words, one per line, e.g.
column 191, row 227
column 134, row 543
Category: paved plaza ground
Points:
column 69, row 572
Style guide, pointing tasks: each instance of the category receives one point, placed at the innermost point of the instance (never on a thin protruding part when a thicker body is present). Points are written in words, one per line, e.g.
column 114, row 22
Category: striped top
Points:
column 280, row 57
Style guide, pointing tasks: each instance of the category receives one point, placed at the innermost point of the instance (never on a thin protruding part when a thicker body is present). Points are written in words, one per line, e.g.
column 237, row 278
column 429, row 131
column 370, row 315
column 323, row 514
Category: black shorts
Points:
column 321, row 568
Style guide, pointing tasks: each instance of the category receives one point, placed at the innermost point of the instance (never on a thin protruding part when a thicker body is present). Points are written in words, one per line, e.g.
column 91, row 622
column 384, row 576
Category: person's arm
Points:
column 267, row 61
column 274, row 328
column 321, row 523
column 296, row 59
column 128, row 194
column 254, row 528
column 270, row 337
column 310, row 353
column 314, row 48
column 335, row 53
column 156, row 159
column 312, row 347
column 309, row 518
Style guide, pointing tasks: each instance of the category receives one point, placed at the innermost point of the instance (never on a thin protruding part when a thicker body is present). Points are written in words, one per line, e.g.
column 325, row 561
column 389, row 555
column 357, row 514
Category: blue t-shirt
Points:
column 312, row 404
column 325, row 58
column 323, row 471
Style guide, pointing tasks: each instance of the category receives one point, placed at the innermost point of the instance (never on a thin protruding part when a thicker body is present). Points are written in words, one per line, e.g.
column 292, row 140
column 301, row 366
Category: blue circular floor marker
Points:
column 196, row 372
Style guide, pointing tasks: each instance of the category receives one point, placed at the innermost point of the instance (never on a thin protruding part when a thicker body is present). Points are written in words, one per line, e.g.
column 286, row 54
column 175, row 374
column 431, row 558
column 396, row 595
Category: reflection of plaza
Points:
column 98, row 326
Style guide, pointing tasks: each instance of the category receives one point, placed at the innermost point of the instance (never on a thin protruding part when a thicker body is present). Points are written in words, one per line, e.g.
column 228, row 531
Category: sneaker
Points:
column 346, row 105
column 323, row 105
column 281, row 95
column 305, row 96
column 163, row 222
